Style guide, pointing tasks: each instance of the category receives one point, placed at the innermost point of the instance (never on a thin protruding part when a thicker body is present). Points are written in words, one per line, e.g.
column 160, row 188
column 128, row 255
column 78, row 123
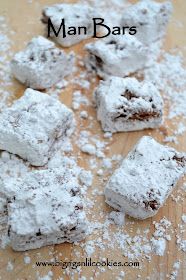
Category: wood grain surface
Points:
column 24, row 19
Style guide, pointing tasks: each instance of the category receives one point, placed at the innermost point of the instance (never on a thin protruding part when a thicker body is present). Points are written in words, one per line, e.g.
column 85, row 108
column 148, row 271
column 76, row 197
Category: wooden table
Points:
column 24, row 19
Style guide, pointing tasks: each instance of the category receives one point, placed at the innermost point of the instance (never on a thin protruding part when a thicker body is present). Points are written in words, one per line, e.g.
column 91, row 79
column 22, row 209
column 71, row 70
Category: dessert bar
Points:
column 45, row 208
column 125, row 104
column 41, row 65
column 117, row 56
column 69, row 23
column 30, row 127
column 150, row 18
column 140, row 186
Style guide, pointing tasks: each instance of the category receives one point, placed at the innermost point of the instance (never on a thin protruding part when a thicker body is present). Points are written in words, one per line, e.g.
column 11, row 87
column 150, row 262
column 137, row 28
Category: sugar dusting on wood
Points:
column 134, row 245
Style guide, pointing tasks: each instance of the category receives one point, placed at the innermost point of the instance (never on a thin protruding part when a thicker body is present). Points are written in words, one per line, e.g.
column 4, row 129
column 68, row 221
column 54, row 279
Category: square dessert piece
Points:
column 150, row 18
column 47, row 209
column 117, row 56
column 41, row 65
column 124, row 104
column 142, row 183
column 74, row 15
column 30, row 127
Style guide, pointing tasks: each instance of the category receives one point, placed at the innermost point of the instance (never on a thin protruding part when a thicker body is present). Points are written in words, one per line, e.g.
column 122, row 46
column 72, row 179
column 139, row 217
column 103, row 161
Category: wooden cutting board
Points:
column 24, row 19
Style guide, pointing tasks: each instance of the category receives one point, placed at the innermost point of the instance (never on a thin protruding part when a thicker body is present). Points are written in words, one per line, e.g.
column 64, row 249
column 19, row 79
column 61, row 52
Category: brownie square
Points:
column 46, row 209
column 125, row 104
column 146, row 177
column 41, row 65
column 31, row 126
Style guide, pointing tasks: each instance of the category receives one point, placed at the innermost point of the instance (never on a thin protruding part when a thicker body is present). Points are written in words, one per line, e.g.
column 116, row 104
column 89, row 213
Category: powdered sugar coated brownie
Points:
column 30, row 127
column 124, row 104
column 117, row 56
column 140, row 186
column 47, row 209
column 150, row 18
column 41, row 65
column 75, row 15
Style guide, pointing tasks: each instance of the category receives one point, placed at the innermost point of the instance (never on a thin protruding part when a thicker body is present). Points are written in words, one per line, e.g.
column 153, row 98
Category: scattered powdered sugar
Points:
column 159, row 246
column 182, row 244
column 117, row 217
column 82, row 78
column 55, row 91
column 91, row 144
column 169, row 75
column 9, row 266
column 5, row 51
column 5, row 55
column 136, row 247
column 178, row 105
column 173, row 275
column 170, row 139
column 141, row 244
column 86, row 178
column 165, row 77
column 48, row 276
column 183, row 217
column 84, row 114
column 88, row 149
column 79, row 99
column 27, row 259
column 89, row 248
column 180, row 129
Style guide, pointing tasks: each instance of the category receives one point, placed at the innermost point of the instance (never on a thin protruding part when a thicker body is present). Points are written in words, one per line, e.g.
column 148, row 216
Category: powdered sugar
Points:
column 78, row 99
column 171, row 81
column 58, row 188
column 48, row 276
column 32, row 137
column 117, row 217
column 174, row 273
column 119, row 56
column 159, row 246
column 183, row 217
column 10, row 266
column 74, row 15
column 128, row 105
column 127, row 191
column 27, row 260
column 41, row 65
column 151, row 19
column 137, row 243
column 5, row 55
